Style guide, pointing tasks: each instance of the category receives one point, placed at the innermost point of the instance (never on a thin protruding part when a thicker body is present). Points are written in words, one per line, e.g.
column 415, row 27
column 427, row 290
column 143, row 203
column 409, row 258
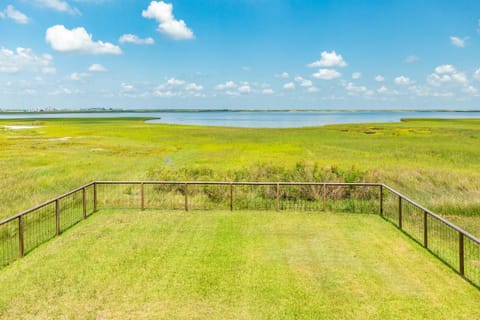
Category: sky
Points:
column 331, row 54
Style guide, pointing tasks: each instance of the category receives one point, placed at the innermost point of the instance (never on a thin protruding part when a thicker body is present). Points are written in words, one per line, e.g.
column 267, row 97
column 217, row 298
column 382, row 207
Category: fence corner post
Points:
column 95, row 197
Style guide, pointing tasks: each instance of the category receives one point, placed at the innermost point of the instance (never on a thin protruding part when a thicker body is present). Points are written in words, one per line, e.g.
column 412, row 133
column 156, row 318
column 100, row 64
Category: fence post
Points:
column 425, row 229
column 142, row 196
column 400, row 212
column 381, row 200
column 94, row 197
column 324, row 194
column 461, row 253
column 231, row 196
column 20, row 236
column 84, row 204
column 277, row 203
column 186, row 196
column 57, row 217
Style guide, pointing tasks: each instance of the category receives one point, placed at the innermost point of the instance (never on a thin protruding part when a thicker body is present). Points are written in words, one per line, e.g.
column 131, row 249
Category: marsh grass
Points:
column 435, row 162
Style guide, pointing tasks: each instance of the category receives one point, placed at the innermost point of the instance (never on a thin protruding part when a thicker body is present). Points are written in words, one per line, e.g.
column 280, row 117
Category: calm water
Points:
column 260, row 119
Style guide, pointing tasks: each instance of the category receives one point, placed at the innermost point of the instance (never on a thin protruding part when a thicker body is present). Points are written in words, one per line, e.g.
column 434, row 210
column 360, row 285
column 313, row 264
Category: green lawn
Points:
column 433, row 161
column 127, row 264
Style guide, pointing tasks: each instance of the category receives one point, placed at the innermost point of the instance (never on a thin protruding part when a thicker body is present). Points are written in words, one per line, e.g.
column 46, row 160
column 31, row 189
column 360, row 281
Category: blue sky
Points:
column 240, row 54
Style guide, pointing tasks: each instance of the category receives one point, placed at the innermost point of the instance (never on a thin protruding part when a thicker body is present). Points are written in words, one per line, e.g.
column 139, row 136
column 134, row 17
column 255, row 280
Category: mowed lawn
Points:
column 128, row 264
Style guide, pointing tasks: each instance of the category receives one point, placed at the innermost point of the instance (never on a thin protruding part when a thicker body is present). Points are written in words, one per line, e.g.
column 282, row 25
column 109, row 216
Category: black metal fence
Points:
column 23, row 232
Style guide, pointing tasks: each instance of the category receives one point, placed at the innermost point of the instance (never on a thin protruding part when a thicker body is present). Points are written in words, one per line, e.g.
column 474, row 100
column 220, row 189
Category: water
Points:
column 259, row 119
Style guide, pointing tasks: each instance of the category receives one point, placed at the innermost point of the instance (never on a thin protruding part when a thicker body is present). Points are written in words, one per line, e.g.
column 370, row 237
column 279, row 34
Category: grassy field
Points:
column 222, row 265
column 433, row 161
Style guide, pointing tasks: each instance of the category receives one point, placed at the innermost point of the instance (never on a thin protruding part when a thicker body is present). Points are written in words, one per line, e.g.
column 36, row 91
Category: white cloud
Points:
column 176, row 88
column 312, row 89
column 327, row 74
column 244, row 88
column 446, row 68
column 193, row 87
column 354, row 89
column 226, row 85
column 379, row 78
column 476, row 75
column 303, row 82
column 172, row 82
column 436, row 80
column 410, row 59
column 268, row 91
column 77, row 40
column 460, row 77
column 76, row 76
column 382, row 90
column 97, row 68
column 168, row 25
column 165, row 94
column 329, row 59
column 131, row 38
column 24, row 59
column 402, row 80
column 447, row 74
column 283, row 75
column 12, row 13
column 57, row 5
column 356, row 75
column 458, row 42
column 289, row 86
column 127, row 87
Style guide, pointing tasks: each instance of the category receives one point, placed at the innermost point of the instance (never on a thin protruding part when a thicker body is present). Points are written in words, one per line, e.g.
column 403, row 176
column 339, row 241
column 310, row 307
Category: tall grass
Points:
column 433, row 161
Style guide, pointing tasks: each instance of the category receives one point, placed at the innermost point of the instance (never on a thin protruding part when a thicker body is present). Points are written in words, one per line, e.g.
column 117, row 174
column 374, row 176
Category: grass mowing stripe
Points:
column 241, row 265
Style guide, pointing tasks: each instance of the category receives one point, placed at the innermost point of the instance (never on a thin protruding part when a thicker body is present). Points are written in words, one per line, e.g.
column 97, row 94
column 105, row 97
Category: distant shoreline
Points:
column 233, row 111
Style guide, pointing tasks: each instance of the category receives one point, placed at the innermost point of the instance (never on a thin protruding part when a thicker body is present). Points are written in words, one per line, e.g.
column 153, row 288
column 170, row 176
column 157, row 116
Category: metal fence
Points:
column 27, row 230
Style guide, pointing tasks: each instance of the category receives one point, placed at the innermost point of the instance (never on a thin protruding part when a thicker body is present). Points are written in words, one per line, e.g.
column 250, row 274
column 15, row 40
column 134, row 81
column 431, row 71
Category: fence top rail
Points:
column 434, row 215
column 266, row 183
column 46, row 203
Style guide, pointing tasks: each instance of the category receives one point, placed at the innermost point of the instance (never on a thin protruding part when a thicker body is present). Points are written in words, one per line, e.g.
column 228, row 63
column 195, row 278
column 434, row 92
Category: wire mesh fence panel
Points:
column 71, row 210
column 118, row 195
column 255, row 197
column 163, row 196
column 443, row 241
column 353, row 198
column 301, row 197
column 89, row 199
column 412, row 220
column 210, row 196
column 390, row 206
column 9, row 243
column 39, row 226
column 472, row 260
